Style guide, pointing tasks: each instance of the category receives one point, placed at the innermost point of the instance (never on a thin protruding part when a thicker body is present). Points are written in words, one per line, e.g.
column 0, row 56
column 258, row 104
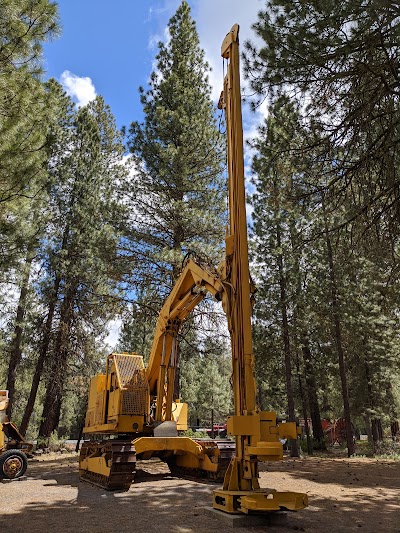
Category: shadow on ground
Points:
column 343, row 497
column 345, row 494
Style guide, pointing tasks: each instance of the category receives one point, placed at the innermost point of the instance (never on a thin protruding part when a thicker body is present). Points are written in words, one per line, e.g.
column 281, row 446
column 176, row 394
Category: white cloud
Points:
column 156, row 38
column 114, row 327
column 214, row 20
column 81, row 89
column 208, row 15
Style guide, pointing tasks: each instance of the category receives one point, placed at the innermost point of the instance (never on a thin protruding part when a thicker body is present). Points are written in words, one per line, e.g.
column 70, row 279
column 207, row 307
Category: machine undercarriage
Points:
column 111, row 463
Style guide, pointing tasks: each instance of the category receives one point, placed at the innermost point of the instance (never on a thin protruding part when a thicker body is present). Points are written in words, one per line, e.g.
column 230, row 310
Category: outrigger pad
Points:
column 258, row 501
column 166, row 429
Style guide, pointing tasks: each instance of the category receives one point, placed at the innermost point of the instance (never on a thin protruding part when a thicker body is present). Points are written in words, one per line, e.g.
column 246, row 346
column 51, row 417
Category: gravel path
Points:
column 345, row 495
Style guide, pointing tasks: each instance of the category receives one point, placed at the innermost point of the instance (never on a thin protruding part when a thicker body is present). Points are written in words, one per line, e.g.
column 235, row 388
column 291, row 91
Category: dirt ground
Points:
column 345, row 495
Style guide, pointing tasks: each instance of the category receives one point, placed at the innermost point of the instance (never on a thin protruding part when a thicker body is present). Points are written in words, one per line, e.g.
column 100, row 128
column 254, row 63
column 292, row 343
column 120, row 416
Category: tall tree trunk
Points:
column 315, row 413
column 337, row 333
column 294, row 448
column 44, row 346
column 16, row 348
column 178, row 238
column 367, row 421
column 176, row 271
column 56, row 382
column 304, row 407
column 377, row 431
column 376, row 424
column 394, row 428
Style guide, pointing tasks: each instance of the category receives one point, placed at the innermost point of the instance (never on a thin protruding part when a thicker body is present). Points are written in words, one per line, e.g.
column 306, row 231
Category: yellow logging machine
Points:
column 135, row 404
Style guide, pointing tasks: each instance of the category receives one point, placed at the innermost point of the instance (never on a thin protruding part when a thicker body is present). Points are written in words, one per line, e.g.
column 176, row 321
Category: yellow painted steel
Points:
column 186, row 452
column 10, row 437
column 119, row 400
column 179, row 444
column 115, row 396
column 256, row 433
column 180, row 415
column 121, row 424
column 2, row 438
column 96, row 465
column 191, row 287
column 3, row 417
column 263, row 500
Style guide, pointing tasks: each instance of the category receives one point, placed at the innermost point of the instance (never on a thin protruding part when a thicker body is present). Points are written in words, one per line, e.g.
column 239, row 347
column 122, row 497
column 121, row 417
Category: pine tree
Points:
column 15, row 355
column 346, row 181
column 25, row 112
column 32, row 230
column 92, row 173
column 289, row 324
column 204, row 373
column 60, row 135
column 340, row 317
column 274, row 218
column 177, row 195
column 347, row 72
column 80, row 289
column 138, row 327
column 178, row 192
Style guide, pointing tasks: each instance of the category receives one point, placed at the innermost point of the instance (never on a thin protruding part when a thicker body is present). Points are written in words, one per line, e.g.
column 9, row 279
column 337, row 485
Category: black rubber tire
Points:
column 13, row 464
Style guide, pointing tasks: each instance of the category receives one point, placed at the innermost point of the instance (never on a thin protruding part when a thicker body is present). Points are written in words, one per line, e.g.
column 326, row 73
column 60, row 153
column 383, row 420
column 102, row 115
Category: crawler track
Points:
column 226, row 452
column 120, row 458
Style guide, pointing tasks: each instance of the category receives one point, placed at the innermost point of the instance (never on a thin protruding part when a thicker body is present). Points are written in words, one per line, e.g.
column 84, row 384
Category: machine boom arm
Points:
column 191, row 287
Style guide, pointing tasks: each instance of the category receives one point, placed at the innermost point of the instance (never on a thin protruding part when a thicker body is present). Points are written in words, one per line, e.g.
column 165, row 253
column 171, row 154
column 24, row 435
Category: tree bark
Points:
column 45, row 343
column 294, row 448
column 377, row 431
column 394, row 429
column 311, row 385
column 56, row 383
column 42, row 357
column 176, row 271
column 337, row 333
column 376, row 424
column 304, row 407
column 16, row 344
column 367, row 422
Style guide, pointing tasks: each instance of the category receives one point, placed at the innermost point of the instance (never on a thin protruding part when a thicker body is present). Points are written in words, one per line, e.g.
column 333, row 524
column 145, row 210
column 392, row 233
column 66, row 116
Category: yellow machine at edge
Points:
column 137, row 403
column 14, row 449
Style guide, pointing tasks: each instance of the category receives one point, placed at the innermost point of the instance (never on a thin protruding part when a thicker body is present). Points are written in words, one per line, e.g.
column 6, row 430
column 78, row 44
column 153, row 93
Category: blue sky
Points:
column 108, row 48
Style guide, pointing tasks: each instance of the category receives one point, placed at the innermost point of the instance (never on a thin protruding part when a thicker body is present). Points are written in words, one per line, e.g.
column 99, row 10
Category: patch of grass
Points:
column 54, row 443
column 385, row 449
